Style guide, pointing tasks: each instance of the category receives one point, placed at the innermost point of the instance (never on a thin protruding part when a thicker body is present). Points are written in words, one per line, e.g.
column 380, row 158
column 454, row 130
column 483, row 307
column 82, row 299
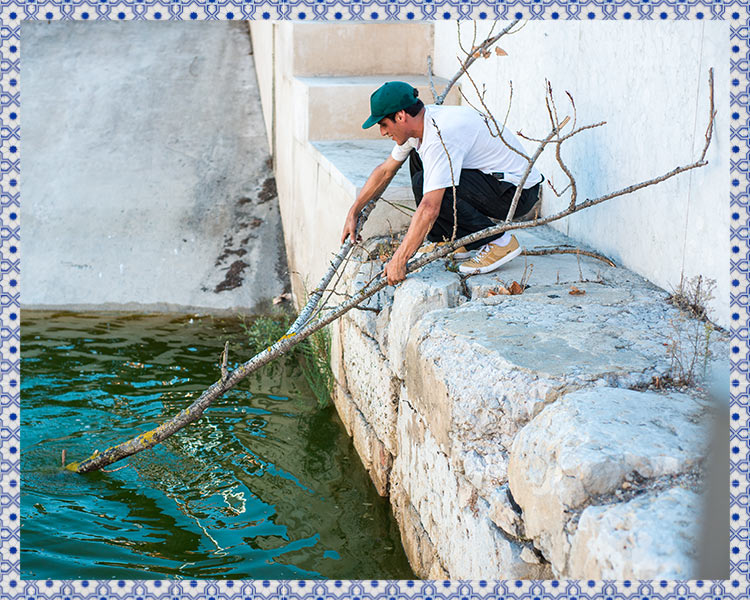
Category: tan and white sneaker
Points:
column 490, row 257
column 460, row 253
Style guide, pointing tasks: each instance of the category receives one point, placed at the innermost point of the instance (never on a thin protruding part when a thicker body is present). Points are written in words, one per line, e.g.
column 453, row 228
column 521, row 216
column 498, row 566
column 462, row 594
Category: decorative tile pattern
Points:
column 11, row 16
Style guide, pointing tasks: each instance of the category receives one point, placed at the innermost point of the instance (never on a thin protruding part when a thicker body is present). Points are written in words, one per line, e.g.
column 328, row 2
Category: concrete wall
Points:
column 649, row 82
column 146, row 174
column 315, row 81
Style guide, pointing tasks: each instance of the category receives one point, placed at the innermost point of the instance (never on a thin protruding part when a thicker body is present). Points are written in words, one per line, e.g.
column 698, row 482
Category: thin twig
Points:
column 527, row 172
column 114, row 470
column 545, row 252
column 561, row 192
column 224, row 357
column 510, row 101
column 573, row 105
column 402, row 208
column 470, row 60
column 453, row 182
column 488, row 115
column 430, row 76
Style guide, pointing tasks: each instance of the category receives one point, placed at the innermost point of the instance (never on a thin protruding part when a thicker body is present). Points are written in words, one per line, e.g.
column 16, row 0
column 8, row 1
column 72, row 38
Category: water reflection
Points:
column 264, row 486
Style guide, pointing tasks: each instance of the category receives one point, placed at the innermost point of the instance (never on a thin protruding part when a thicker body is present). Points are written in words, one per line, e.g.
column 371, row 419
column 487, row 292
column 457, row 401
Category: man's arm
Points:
column 421, row 223
column 374, row 186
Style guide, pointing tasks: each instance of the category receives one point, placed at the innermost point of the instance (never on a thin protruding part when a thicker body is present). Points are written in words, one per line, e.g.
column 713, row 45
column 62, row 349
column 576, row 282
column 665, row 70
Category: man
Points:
column 483, row 168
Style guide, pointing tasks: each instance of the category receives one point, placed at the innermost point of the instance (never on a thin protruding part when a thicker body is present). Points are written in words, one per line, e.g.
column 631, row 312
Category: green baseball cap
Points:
column 389, row 98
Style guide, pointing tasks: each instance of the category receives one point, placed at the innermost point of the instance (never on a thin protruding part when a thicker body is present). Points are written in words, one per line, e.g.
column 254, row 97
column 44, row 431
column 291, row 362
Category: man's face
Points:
column 395, row 129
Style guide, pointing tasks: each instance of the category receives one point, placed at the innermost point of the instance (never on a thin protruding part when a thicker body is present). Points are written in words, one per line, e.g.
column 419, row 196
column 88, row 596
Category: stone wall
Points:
column 526, row 436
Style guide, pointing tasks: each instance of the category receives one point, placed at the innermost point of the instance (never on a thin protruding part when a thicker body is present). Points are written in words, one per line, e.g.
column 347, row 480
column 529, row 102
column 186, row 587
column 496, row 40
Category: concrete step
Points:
column 334, row 108
column 350, row 162
column 352, row 49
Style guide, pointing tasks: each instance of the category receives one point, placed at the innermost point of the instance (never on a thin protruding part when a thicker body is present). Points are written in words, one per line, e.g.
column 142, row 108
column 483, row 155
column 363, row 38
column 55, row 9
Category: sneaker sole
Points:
column 489, row 268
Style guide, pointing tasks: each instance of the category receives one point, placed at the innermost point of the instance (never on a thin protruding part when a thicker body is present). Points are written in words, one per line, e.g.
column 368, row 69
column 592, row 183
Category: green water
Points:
column 265, row 485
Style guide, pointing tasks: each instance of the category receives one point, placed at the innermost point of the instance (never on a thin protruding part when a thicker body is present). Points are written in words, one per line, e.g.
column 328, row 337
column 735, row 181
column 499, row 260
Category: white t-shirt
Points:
column 470, row 145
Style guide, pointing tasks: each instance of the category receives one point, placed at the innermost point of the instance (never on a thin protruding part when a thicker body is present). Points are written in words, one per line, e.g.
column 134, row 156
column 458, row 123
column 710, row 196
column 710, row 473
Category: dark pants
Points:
column 479, row 196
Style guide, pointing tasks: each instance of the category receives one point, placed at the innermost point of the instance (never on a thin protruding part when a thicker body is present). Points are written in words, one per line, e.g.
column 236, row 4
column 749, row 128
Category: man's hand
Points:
column 374, row 186
column 350, row 226
column 395, row 270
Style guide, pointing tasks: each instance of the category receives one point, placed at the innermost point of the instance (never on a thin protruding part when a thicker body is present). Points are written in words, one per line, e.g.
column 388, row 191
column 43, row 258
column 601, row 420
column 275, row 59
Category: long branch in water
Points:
column 186, row 416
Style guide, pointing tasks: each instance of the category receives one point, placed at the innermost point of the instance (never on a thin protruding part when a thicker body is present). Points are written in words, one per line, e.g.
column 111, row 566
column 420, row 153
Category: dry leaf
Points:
column 281, row 297
column 574, row 291
column 486, row 54
column 515, row 288
column 500, row 52
column 477, row 54
column 500, row 291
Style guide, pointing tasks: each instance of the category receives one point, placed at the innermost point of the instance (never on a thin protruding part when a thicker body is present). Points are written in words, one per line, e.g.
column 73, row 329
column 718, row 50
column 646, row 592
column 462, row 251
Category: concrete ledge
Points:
column 526, row 432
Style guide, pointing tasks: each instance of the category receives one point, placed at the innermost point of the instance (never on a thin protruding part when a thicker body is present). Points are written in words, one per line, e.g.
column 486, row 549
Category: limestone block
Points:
column 470, row 395
column 529, row 556
column 437, row 571
column 374, row 456
column 431, row 288
column 344, row 406
column 366, row 319
column 372, row 386
column 585, row 445
column 338, row 368
column 653, row 536
column 380, row 469
column 362, row 435
column 504, row 514
column 468, row 543
column 417, row 545
column 484, row 466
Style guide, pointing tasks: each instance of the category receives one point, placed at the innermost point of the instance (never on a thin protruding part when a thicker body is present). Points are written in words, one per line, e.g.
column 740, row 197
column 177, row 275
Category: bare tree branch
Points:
column 453, row 181
column 317, row 293
column 485, row 45
column 560, row 250
column 527, row 172
column 303, row 326
column 224, row 358
column 430, row 76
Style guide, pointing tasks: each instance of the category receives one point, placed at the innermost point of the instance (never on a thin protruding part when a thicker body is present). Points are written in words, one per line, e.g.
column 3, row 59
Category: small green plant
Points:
column 312, row 355
column 315, row 361
column 688, row 345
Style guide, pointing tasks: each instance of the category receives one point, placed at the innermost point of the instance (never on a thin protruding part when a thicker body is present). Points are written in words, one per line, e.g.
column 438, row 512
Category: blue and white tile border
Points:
column 11, row 16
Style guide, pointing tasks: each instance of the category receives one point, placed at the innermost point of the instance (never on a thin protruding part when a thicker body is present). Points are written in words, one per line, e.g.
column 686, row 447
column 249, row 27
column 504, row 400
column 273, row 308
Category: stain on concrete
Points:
column 267, row 191
column 233, row 278
column 227, row 253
